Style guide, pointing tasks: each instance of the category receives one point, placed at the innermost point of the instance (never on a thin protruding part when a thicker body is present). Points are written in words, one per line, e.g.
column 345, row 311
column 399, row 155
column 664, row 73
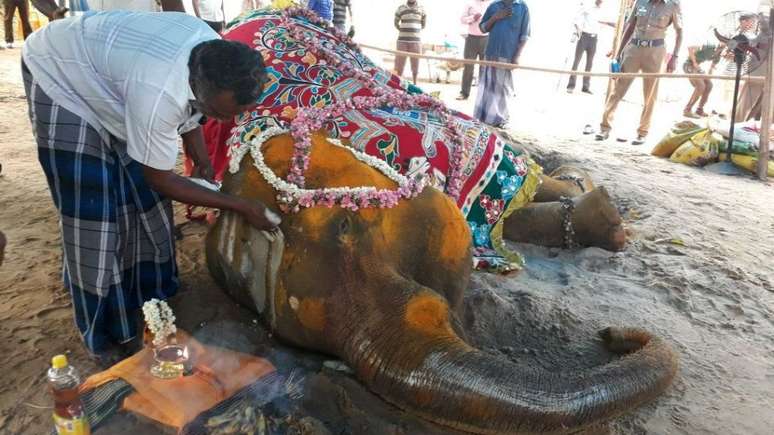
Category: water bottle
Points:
column 615, row 66
column 63, row 380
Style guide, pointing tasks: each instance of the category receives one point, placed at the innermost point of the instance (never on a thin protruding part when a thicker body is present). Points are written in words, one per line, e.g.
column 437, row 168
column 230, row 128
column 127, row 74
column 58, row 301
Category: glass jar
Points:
column 170, row 359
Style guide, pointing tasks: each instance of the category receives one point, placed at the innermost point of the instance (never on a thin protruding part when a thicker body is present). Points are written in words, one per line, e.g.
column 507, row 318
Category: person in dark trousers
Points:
column 587, row 25
column 9, row 8
column 475, row 42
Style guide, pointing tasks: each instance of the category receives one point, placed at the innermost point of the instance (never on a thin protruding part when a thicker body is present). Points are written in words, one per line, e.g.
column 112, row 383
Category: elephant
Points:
column 382, row 290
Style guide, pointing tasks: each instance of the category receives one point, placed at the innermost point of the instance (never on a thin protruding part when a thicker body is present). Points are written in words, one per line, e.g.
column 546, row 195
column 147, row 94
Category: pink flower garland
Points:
column 310, row 119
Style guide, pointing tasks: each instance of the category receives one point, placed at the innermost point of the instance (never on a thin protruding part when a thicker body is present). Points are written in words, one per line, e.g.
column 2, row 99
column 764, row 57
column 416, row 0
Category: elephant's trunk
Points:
column 422, row 366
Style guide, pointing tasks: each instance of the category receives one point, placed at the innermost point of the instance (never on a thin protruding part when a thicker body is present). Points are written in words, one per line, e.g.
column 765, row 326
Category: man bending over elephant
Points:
column 109, row 95
column 503, row 193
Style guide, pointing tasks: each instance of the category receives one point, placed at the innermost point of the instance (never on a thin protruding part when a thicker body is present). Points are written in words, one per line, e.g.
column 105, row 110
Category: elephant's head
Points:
column 382, row 289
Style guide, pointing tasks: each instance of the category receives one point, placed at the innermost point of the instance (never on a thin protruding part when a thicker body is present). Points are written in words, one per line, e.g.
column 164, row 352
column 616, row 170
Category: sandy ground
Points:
column 698, row 271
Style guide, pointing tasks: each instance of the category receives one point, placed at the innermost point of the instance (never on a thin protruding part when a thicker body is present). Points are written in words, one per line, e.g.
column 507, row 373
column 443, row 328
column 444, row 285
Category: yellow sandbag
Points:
column 700, row 150
column 680, row 133
column 748, row 162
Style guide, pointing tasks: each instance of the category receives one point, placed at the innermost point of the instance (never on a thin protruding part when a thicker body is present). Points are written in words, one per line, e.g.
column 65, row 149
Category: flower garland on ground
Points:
column 311, row 119
column 159, row 319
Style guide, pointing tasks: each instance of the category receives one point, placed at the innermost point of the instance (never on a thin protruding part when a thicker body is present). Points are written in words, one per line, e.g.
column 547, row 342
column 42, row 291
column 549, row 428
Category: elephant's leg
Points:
column 595, row 221
column 564, row 181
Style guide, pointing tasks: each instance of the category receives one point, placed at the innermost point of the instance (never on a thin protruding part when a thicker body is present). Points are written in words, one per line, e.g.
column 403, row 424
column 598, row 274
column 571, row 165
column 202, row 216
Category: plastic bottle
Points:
column 615, row 66
column 63, row 379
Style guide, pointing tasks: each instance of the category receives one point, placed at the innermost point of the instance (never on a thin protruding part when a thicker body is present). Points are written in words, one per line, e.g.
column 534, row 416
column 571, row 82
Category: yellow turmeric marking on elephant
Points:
column 311, row 314
column 455, row 238
column 428, row 313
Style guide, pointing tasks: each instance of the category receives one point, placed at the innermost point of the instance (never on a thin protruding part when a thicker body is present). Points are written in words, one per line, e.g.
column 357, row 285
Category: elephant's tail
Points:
column 424, row 367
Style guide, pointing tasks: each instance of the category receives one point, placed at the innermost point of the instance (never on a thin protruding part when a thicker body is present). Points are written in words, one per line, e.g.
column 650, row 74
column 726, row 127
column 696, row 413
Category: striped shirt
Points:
column 340, row 12
column 410, row 20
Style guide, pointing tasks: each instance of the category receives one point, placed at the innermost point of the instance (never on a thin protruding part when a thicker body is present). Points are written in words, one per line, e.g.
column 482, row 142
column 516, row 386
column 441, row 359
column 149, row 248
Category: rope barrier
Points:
column 560, row 71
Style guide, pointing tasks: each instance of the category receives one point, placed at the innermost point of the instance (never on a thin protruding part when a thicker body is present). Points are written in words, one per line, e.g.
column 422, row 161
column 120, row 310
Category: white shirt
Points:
column 588, row 18
column 125, row 73
column 211, row 10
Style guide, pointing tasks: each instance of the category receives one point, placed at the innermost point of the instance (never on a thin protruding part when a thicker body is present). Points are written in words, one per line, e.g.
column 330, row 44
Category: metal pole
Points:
column 766, row 106
column 617, row 40
column 739, row 58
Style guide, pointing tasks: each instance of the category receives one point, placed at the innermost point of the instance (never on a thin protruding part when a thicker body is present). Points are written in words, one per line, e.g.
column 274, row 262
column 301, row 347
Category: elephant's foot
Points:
column 564, row 181
column 595, row 222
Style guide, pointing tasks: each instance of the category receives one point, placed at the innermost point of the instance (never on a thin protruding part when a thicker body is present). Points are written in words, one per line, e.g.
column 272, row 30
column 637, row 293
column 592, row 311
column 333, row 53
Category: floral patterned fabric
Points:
column 498, row 178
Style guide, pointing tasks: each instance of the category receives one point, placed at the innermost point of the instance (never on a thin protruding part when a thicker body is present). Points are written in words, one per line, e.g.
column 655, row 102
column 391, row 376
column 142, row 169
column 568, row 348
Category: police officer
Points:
column 643, row 50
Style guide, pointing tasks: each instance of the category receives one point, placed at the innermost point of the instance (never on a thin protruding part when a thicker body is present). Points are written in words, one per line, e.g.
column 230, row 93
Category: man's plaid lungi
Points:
column 117, row 233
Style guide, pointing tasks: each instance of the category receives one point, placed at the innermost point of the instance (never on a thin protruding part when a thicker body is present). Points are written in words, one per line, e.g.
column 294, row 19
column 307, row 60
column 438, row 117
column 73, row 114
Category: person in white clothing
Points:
column 587, row 25
column 109, row 95
column 211, row 11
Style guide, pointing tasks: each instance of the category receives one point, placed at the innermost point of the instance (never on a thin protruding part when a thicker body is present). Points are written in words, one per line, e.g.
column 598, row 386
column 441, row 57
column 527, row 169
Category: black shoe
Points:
column 586, row 91
column 602, row 135
column 640, row 140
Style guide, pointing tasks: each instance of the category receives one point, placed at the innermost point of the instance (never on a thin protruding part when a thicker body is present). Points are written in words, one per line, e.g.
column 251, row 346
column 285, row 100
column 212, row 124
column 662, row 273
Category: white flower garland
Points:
column 159, row 319
column 292, row 191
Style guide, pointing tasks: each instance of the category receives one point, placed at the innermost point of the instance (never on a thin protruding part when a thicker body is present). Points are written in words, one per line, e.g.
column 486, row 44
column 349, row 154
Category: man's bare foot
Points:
column 597, row 222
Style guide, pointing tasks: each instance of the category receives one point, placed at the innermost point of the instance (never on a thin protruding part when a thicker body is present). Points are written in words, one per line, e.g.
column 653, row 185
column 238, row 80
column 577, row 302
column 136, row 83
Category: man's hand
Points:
column 59, row 13
column 502, row 14
column 258, row 215
column 205, row 171
column 477, row 16
column 671, row 64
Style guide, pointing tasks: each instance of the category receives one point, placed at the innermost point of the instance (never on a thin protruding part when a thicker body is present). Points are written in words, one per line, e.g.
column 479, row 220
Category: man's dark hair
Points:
column 219, row 65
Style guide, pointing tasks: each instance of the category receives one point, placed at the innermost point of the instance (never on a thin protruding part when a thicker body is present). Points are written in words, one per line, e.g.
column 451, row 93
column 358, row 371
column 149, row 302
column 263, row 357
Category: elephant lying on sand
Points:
column 382, row 290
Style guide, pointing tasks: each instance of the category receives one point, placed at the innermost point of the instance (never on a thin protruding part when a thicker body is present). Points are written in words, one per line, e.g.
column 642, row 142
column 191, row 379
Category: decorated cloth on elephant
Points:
column 497, row 178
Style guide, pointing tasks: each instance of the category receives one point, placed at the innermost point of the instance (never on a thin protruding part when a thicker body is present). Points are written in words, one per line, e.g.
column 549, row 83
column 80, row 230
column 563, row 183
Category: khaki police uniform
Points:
column 645, row 52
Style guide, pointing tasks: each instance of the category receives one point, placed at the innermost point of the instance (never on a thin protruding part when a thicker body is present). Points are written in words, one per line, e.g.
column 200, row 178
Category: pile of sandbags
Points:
column 695, row 145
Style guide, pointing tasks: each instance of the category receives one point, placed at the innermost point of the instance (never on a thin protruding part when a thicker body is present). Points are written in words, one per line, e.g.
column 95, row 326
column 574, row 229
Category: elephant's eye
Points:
column 344, row 226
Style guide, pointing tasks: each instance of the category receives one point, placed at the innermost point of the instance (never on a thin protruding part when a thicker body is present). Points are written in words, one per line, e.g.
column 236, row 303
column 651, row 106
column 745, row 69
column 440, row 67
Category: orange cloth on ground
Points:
column 218, row 374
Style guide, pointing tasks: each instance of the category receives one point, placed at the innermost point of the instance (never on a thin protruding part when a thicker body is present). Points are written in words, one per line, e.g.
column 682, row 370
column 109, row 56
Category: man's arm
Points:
column 678, row 42
column 178, row 188
column 525, row 33
column 396, row 22
column 628, row 32
column 490, row 18
column 196, row 148
column 195, row 4
column 50, row 9
column 172, row 6
column 692, row 57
